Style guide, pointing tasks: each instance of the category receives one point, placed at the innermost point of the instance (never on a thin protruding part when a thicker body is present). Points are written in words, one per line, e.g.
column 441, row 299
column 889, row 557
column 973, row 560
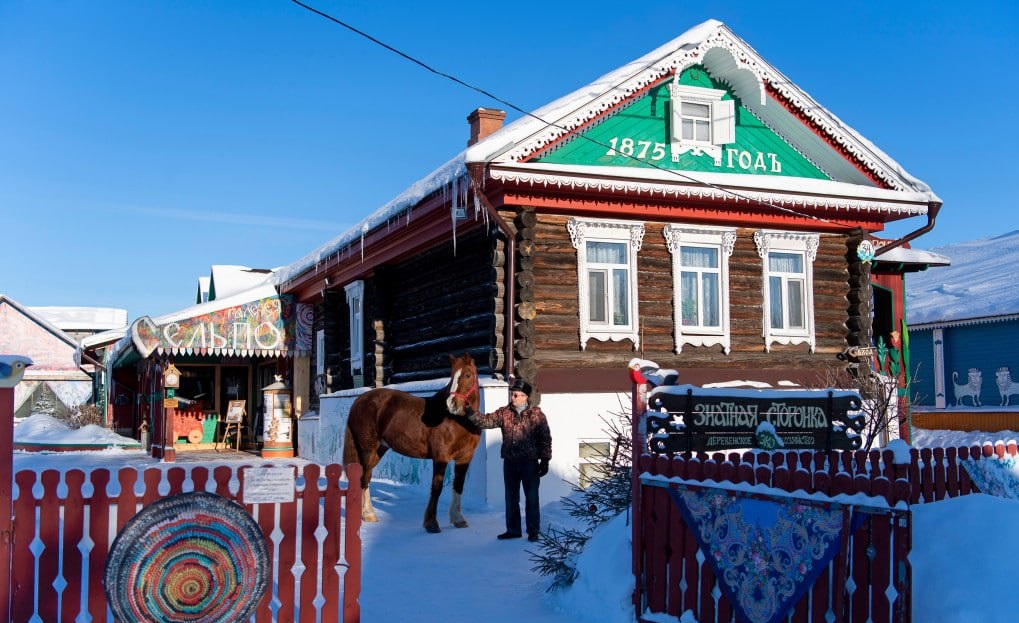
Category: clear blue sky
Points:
column 143, row 142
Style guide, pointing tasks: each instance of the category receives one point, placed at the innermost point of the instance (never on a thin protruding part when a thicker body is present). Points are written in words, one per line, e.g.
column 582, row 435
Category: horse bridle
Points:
column 473, row 390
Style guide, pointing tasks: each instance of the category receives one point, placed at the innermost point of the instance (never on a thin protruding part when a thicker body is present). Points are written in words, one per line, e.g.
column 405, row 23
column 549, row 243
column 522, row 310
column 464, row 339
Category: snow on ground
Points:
column 962, row 558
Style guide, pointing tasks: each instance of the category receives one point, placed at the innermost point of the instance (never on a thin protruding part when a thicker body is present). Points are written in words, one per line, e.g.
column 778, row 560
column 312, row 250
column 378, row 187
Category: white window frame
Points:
column 722, row 125
column 788, row 242
column 723, row 240
column 355, row 303
column 632, row 233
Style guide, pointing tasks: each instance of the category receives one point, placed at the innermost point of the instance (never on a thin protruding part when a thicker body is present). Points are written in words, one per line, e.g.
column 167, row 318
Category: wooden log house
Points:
column 693, row 207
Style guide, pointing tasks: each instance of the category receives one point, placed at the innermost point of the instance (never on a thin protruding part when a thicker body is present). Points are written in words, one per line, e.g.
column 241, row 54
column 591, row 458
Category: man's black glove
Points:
column 542, row 467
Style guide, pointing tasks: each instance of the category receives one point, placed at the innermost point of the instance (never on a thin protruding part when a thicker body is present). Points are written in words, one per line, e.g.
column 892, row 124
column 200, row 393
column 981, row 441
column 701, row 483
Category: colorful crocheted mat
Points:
column 766, row 553
column 188, row 558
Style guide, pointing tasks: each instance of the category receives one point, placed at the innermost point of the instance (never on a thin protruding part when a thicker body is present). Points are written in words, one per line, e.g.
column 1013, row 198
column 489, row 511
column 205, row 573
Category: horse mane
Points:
column 435, row 412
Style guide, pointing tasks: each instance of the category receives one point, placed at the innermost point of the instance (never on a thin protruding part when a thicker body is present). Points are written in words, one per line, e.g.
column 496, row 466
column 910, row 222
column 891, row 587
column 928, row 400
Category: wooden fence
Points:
column 64, row 526
column 869, row 580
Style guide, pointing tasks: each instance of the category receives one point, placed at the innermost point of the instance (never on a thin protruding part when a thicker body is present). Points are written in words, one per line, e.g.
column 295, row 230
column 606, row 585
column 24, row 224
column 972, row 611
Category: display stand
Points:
column 234, row 426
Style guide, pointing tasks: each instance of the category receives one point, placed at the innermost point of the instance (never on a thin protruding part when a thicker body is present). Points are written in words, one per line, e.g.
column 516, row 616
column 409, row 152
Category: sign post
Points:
column 12, row 368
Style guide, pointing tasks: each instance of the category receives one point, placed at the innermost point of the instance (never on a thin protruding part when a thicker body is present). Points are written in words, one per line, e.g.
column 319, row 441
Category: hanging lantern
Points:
column 277, row 422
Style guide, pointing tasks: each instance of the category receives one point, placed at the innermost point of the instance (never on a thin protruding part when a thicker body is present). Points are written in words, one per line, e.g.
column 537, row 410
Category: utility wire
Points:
column 513, row 106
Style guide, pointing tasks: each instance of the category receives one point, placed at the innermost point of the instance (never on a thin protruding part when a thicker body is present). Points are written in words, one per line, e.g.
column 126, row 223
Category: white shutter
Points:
column 677, row 118
column 723, row 122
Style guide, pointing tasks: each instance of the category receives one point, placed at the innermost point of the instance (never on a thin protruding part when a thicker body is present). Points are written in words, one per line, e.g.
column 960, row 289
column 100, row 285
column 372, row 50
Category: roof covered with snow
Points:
column 980, row 284
column 83, row 318
column 725, row 56
column 226, row 280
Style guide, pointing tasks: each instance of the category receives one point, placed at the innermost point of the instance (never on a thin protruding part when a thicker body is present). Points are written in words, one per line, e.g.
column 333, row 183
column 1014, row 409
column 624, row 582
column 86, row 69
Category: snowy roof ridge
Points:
column 977, row 285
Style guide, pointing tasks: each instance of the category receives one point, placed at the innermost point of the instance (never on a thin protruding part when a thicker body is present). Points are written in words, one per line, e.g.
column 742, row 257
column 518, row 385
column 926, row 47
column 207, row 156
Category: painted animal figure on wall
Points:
column 423, row 428
column 972, row 387
column 1006, row 386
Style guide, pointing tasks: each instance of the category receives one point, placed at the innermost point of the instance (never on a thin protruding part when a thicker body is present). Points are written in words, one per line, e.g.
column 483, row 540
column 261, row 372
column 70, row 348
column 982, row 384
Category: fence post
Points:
column 6, row 501
column 12, row 368
column 638, row 397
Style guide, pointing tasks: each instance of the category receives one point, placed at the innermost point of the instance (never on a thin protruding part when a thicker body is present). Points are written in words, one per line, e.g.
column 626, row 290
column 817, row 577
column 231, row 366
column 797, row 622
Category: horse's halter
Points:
column 466, row 396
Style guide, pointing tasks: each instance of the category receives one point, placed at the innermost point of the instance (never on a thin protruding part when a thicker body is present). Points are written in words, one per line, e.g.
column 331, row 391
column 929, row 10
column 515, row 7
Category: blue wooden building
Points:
column 964, row 336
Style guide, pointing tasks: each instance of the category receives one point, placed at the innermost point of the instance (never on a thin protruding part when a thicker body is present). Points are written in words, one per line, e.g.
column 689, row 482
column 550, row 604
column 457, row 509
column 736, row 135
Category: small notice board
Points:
column 235, row 412
column 234, row 418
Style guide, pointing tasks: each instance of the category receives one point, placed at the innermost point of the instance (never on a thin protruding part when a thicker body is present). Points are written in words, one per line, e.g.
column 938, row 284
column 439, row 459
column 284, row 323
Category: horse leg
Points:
column 455, row 513
column 367, row 510
column 438, row 473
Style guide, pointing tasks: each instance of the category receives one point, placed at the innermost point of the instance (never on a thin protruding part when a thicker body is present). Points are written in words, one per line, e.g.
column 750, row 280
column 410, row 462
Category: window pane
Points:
column 596, row 296
column 703, row 131
column 696, row 110
column 687, row 130
column 620, row 300
column 711, row 300
column 785, row 262
column 606, row 252
column 699, row 257
column 775, row 294
column 795, row 303
column 688, row 298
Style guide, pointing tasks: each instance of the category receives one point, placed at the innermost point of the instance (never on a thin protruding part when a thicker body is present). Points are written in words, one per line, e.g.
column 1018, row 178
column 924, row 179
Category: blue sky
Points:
column 143, row 142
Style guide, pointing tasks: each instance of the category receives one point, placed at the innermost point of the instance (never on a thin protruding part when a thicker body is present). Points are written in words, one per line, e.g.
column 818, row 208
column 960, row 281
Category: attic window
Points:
column 701, row 121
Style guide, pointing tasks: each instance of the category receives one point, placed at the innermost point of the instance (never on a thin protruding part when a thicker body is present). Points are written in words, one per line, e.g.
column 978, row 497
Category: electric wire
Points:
column 551, row 124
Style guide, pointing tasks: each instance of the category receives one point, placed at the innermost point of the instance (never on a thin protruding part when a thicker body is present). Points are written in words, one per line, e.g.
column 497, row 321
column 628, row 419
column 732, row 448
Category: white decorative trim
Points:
column 582, row 230
column 938, row 342
column 722, row 238
column 945, row 324
column 807, row 244
column 698, row 192
column 743, row 57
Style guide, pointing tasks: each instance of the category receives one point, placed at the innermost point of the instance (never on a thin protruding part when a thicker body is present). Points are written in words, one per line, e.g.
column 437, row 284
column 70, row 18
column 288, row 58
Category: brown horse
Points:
column 421, row 428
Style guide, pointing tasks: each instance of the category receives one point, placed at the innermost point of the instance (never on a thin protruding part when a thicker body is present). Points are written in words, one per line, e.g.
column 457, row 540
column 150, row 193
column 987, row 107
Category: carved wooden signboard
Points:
column 685, row 417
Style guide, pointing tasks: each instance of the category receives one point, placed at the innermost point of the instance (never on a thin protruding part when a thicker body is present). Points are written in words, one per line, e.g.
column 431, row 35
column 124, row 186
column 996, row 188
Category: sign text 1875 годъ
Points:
column 684, row 418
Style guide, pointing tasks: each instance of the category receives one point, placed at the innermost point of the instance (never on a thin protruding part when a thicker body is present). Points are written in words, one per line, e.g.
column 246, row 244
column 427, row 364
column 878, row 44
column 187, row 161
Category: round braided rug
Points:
column 188, row 558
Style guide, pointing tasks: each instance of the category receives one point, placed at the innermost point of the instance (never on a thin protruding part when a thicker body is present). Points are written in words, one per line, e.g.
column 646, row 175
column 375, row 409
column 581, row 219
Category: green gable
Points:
column 642, row 130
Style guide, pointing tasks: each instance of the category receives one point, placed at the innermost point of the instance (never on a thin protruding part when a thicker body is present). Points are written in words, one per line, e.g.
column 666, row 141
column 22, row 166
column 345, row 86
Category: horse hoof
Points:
column 461, row 524
column 433, row 527
column 370, row 518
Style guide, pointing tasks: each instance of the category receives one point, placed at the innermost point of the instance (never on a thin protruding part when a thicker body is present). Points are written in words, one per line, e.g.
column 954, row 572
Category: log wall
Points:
column 441, row 302
column 556, row 314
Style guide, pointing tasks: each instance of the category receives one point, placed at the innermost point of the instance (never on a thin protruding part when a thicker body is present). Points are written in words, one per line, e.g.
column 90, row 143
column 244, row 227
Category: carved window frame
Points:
column 722, row 121
column 602, row 230
column 788, row 242
column 723, row 240
column 355, row 304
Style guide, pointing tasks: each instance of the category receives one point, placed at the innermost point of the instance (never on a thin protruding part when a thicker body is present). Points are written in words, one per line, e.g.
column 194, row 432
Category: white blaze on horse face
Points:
column 450, row 403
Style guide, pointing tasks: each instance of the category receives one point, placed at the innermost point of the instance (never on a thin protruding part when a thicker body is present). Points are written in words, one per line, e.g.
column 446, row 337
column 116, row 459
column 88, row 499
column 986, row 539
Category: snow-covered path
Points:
column 460, row 575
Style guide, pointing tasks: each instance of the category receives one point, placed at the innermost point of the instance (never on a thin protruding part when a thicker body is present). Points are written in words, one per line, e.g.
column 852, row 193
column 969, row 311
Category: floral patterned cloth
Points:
column 766, row 553
column 994, row 476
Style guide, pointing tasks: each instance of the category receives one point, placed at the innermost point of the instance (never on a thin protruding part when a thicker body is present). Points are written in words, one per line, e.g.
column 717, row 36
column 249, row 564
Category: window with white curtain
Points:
column 700, row 269
column 788, row 259
column 701, row 121
column 355, row 304
column 607, row 278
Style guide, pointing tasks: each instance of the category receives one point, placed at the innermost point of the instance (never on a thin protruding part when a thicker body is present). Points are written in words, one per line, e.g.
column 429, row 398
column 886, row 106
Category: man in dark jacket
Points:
column 526, row 451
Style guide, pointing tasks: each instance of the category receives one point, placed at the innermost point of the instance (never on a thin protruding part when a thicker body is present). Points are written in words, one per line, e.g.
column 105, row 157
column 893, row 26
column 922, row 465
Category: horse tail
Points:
column 349, row 449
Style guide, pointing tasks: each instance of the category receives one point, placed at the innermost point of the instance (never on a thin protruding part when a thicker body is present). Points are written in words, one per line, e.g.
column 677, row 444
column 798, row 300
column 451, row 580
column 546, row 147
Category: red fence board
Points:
column 63, row 524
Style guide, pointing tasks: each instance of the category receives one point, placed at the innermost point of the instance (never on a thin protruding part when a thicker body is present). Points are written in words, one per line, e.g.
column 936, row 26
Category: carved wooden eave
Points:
column 661, row 195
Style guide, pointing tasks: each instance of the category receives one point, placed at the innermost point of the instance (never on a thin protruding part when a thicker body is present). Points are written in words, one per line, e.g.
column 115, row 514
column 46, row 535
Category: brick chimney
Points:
column 484, row 121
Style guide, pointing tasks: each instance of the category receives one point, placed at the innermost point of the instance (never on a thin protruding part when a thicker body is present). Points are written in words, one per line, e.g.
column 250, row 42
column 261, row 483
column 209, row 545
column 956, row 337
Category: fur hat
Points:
column 521, row 385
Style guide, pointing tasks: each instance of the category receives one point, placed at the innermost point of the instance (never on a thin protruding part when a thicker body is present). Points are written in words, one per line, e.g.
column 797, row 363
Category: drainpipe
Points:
column 477, row 173
column 932, row 214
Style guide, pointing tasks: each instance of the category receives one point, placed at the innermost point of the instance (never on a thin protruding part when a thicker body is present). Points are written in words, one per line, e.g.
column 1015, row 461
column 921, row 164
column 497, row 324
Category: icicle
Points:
column 452, row 210
column 364, row 232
